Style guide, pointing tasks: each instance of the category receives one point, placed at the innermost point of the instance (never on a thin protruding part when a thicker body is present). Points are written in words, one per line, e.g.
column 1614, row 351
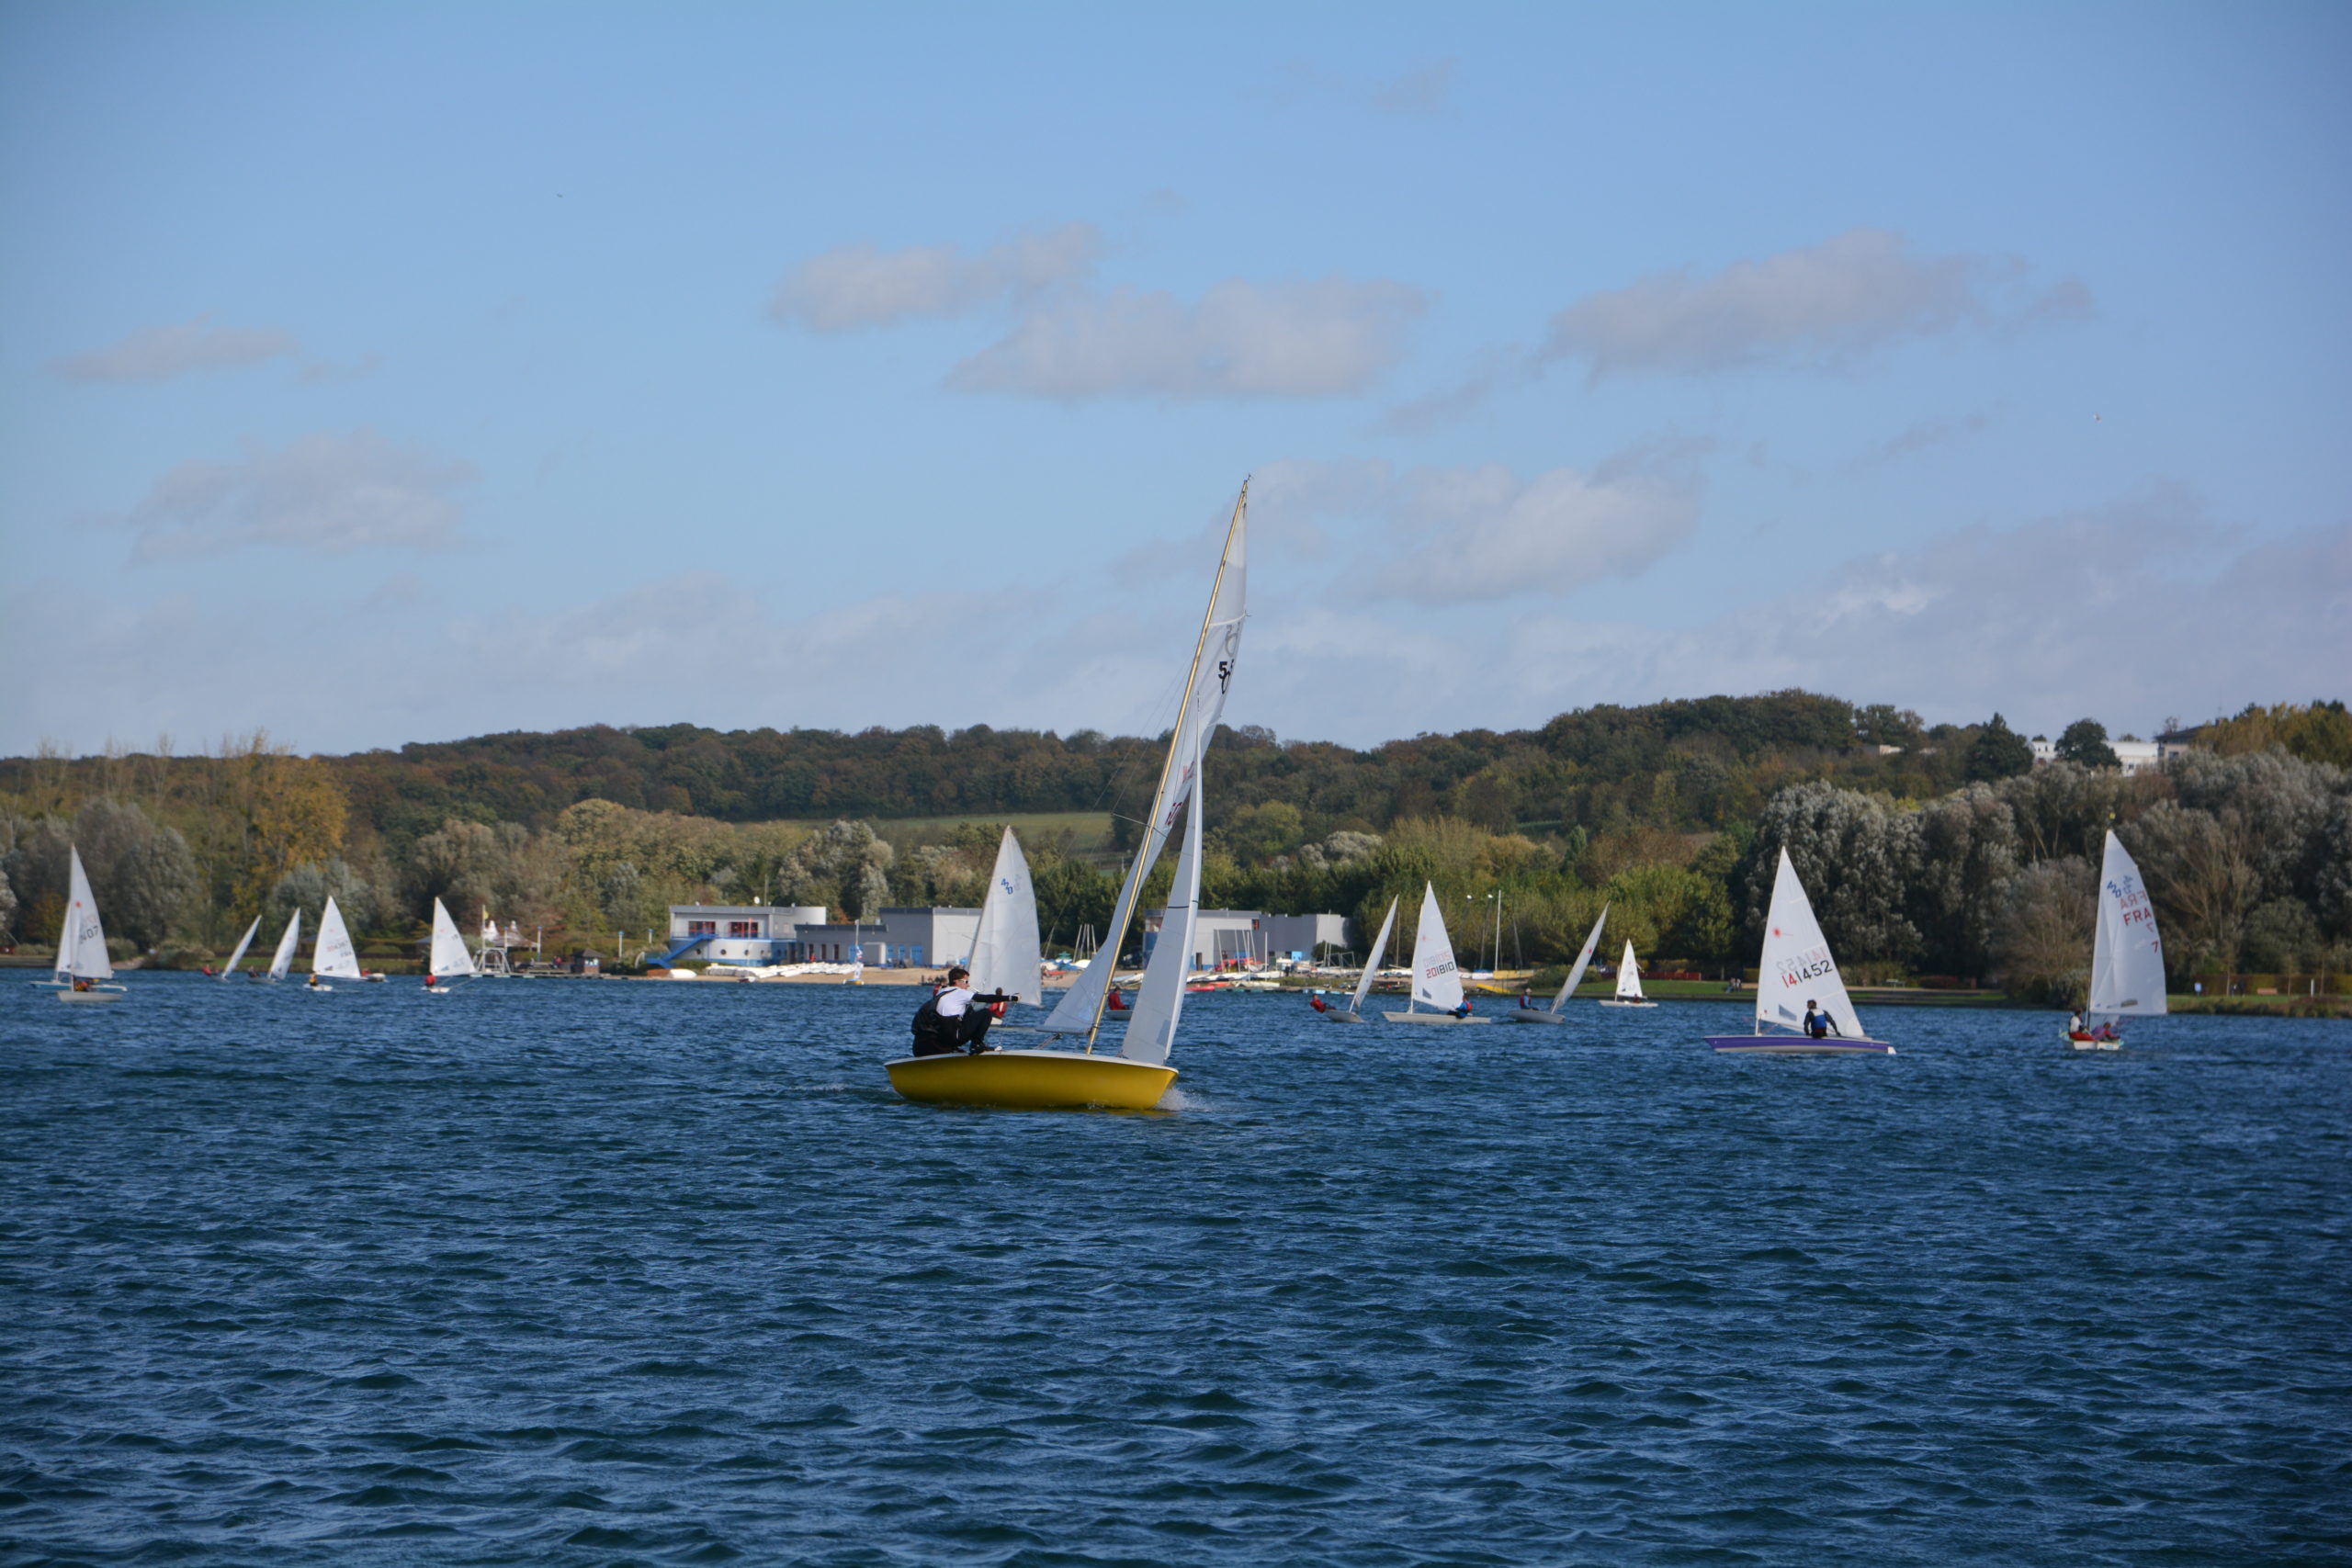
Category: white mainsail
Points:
column 1796, row 967
column 1159, row 1002
column 284, row 958
column 2127, row 956
column 1371, row 964
column 1629, row 975
column 243, row 942
column 449, row 958
column 1005, row 957
column 333, row 957
column 1435, row 979
column 1584, row 961
column 1214, row 659
column 81, row 938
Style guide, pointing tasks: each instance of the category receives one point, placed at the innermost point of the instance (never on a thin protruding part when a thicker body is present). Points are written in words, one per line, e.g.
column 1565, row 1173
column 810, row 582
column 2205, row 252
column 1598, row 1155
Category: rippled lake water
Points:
column 566, row 1271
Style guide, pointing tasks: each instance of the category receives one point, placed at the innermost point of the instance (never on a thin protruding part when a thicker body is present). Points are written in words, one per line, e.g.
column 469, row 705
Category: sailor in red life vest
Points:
column 1318, row 1004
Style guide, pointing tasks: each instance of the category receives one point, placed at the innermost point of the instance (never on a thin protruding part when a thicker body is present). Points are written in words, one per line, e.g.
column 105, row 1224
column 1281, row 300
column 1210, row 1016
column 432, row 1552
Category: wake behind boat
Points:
column 1796, row 967
column 2127, row 956
column 1137, row 1078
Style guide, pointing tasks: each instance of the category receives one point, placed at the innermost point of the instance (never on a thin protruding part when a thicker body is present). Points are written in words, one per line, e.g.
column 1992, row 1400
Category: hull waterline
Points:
column 1535, row 1015
column 1032, row 1080
column 1796, row 1045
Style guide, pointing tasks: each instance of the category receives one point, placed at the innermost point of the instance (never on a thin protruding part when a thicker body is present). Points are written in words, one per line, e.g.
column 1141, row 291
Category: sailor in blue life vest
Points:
column 1816, row 1024
column 956, row 1018
column 1463, row 1011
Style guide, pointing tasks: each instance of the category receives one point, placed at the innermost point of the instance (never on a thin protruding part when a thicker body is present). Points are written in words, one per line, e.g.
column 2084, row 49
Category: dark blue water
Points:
column 601, row 1272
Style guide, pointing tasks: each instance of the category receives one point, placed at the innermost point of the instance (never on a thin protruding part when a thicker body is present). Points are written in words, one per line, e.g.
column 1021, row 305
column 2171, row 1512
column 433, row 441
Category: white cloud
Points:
column 158, row 353
column 328, row 492
column 1325, row 338
column 861, row 286
column 1454, row 535
column 1820, row 306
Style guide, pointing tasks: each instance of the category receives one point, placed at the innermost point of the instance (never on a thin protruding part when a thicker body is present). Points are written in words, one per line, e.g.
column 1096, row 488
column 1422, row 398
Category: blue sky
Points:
column 371, row 374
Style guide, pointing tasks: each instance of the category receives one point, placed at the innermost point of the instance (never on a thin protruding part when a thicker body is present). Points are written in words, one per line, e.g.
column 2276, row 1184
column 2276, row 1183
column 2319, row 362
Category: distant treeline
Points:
column 1935, row 849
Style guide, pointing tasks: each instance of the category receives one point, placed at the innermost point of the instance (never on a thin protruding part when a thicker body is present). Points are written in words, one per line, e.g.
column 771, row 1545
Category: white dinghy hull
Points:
column 1796, row 1046
column 1435, row 1019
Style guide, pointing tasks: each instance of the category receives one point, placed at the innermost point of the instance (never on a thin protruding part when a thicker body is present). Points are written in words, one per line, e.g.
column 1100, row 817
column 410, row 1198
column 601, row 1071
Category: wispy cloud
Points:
column 1824, row 306
column 158, row 353
column 1447, row 535
column 1928, row 434
column 854, row 287
column 1422, row 91
column 332, row 493
column 1324, row 338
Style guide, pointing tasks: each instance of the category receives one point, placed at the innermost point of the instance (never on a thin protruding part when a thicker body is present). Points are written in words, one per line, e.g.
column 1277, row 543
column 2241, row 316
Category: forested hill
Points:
column 1690, row 766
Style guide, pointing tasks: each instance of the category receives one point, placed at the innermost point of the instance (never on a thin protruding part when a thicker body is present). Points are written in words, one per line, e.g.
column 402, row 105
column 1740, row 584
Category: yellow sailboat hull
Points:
column 1032, row 1080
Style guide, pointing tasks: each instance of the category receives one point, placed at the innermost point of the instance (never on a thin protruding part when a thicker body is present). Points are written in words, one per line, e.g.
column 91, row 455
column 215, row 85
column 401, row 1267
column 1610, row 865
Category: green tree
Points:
column 2084, row 743
column 1998, row 752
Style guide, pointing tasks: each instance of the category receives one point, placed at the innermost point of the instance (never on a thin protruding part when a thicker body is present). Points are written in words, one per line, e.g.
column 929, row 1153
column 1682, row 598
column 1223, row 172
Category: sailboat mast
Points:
column 1123, row 914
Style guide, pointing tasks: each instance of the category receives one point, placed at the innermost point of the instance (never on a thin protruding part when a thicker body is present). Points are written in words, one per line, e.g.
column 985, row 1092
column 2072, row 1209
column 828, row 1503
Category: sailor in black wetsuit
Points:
column 964, row 1016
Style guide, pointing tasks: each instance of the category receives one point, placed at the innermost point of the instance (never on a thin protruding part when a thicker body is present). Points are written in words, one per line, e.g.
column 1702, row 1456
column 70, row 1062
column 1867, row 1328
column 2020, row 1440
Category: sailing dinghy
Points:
column 283, row 959
column 84, row 973
column 1353, row 1012
column 1576, row 977
column 244, row 943
column 1629, row 984
column 1136, row 1079
column 2127, row 956
column 1797, row 974
column 333, row 957
column 449, row 959
column 1435, row 979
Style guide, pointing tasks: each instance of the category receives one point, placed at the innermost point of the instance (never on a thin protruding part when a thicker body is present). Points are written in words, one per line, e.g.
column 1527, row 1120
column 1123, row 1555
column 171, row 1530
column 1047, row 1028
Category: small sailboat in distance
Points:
column 1353, row 1011
column 1797, row 977
column 1576, row 977
column 1629, row 984
column 333, row 957
column 1436, row 980
column 2127, row 956
column 283, row 959
column 83, row 973
column 448, row 958
column 244, row 943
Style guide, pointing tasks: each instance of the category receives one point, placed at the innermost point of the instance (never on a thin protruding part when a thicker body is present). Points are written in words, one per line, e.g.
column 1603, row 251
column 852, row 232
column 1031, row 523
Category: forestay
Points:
column 1152, row 1029
column 1435, row 980
column 284, row 958
column 2128, row 959
column 1005, row 957
column 1371, row 968
column 1214, row 659
column 450, row 955
column 1796, row 966
column 1584, row 962
column 82, row 939
column 333, row 957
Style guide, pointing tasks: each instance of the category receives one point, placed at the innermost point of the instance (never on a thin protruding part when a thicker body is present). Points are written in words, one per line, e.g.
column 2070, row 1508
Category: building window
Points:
column 917, row 950
column 702, row 928
column 742, row 927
